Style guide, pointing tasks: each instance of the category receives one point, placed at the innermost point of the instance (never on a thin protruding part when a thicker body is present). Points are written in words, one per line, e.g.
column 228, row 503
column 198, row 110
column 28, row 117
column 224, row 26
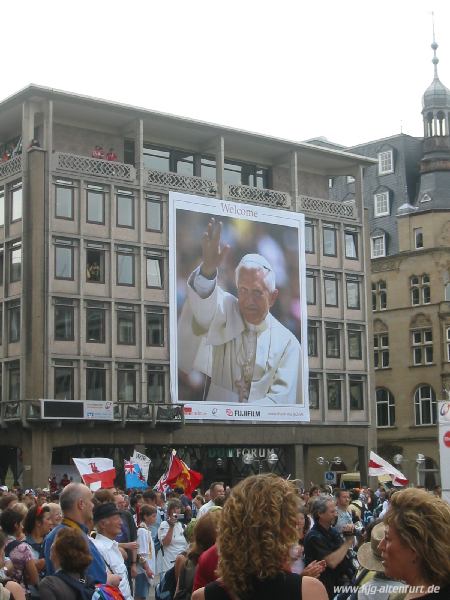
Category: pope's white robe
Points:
column 210, row 341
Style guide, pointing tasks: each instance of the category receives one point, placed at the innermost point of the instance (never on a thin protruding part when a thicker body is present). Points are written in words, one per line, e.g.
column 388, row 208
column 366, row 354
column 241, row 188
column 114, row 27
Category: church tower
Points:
column 435, row 162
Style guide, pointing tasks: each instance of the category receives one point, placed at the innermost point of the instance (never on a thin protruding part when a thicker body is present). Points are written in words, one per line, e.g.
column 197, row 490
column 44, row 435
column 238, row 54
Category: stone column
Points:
column 294, row 177
column 37, row 458
column 363, row 461
column 220, row 165
column 299, row 463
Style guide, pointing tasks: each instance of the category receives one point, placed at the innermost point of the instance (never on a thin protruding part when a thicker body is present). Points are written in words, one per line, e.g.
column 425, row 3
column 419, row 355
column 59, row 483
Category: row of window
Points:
column 331, row 289
column 96, row 206
column 385, row 166
column 378, row 242
column 95, row 263
column 333, row 390
column 421, row 347
column 96, row 379
column 420, row 291
column 333, row 336
column 160, row 158
column 425, row 407
column 330, row 240
column 96, row 322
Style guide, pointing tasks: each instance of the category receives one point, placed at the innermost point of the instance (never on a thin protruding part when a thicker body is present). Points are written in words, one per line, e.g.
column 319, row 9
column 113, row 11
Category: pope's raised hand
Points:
column 212, row 252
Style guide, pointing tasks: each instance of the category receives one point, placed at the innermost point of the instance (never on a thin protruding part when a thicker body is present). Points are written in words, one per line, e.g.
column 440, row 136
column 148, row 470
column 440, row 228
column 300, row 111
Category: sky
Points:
column 351, row 71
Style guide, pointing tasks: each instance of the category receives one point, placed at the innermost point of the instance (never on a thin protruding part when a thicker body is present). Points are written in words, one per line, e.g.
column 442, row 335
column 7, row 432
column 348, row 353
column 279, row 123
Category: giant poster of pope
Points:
column 238, row 323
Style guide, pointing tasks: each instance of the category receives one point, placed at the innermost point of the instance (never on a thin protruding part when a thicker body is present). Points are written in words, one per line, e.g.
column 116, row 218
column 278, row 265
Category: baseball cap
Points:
column 104, row 511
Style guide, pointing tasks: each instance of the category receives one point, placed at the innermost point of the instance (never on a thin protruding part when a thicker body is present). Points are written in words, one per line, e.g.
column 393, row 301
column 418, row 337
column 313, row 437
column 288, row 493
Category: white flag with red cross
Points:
column 96, row 472
column 379, row 466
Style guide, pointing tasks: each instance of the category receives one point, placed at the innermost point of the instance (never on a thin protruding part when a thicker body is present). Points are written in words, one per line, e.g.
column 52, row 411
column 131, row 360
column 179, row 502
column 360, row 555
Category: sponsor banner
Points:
column 243, row 412
column 444, row 447
column 238, row 321
column 99, row 410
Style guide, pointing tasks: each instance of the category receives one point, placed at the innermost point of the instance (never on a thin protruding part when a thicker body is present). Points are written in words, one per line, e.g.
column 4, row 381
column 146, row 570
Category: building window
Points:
column 354, row 338
column 2, row 207
column 155, row 327
column 64, row 194
column 15, row 264
column 351, row 244
column 154, row 269
column 126, row 325
column 381, row 350
column 448, row 344
column 13, row 322
column 126, row 383
column 2, row 265
column 309, row 238
column 385, row 162
column 64, row 320
column 95, row 323
column 334, row 391
column 156, row 376
column 379, row 295
column 95, row 204
column 332, row 340
column 64, row 267
column 385, row 408
column 447, row 292
column 356, row 385
column 1, row 325
column 425, row 405
column 331, row 289
column 422, row 346
column 420, row 290
column 208, row 168
column 377, row 246
column 95, row 263
column 156, row 159
column 236, row 173
column 329, row 240
column 125, row 209
column 310, row 287
column 381, row 204
column 313, row 349
column 314, row 390
column 95, row 381
column 16, row 202
column 153, row 206
column 353, row 295
column 125, row 266
column 63, row 389
column 418, row 238
column 14, row 381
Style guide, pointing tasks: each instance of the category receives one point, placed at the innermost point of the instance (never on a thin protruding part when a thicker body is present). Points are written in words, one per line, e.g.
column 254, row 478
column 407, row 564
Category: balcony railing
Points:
column 174, row 181
column 11, row 167
column 74, row 163
column 246, row 193
column 329, row 208
column 29, row 411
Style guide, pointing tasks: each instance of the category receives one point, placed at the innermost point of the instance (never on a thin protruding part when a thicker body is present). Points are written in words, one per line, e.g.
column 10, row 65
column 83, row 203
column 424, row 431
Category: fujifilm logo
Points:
column 247, row 413
column 231, row 209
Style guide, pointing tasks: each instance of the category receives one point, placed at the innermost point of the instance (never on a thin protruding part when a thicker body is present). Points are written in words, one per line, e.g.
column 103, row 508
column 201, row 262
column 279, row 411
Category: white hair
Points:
column 258, row 263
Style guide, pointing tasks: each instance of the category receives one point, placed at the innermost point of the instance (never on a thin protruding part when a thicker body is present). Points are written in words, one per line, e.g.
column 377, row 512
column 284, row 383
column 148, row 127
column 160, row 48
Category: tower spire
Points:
column 434, row 47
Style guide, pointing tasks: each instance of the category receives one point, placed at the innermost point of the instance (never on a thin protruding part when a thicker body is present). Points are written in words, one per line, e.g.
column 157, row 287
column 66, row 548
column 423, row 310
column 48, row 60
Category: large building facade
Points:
column 84, row 287
column 407, row 195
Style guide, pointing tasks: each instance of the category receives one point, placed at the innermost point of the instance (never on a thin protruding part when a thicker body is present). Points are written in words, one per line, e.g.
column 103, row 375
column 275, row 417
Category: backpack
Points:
column 84, row 589
column 165, row 590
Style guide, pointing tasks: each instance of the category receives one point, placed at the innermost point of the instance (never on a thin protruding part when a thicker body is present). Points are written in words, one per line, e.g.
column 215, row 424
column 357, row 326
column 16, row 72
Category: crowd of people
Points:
column 262, row 539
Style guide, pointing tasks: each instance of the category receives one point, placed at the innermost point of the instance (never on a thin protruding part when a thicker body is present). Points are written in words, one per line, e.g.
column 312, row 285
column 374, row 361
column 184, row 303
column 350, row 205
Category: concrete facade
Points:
column 58, row 236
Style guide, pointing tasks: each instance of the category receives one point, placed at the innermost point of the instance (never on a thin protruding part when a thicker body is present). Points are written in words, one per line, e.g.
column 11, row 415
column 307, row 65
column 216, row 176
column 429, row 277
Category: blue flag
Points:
column 133, row 476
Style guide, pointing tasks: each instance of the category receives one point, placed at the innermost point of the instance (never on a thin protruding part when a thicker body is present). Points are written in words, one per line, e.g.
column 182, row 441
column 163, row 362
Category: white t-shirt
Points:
column 146, row 548
column 205, row 508
column 176, row 546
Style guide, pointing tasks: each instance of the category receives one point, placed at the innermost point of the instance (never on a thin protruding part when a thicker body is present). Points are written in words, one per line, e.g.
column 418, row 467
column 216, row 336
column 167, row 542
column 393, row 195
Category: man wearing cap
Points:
column 108, row 524
column 248, row 354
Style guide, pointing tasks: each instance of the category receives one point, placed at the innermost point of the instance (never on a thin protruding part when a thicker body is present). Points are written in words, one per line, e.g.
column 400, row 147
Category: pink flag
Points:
column 96, row 472
column 379, row 466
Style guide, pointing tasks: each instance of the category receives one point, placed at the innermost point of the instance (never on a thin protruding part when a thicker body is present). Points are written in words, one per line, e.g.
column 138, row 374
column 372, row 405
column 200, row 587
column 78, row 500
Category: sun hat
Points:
column 369, row 556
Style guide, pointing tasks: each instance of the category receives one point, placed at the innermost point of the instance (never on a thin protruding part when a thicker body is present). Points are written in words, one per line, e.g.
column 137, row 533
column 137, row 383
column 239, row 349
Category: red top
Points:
column 206, row 568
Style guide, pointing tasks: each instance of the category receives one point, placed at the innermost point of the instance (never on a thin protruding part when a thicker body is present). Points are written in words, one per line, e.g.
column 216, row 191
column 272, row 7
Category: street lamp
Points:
column 249, row 459
column 336, row 460
column 420, row 459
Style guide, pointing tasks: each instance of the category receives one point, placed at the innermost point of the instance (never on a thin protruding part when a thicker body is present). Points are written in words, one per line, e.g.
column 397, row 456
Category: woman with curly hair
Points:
column 71, row 557
column 416, row 544
column 258, row 529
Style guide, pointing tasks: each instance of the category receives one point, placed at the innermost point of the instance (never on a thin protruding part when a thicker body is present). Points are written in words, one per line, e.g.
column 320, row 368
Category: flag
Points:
column 143, row 461
column 96, row 472
column 179, row 474
column 379, row 466
column 133, row 475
